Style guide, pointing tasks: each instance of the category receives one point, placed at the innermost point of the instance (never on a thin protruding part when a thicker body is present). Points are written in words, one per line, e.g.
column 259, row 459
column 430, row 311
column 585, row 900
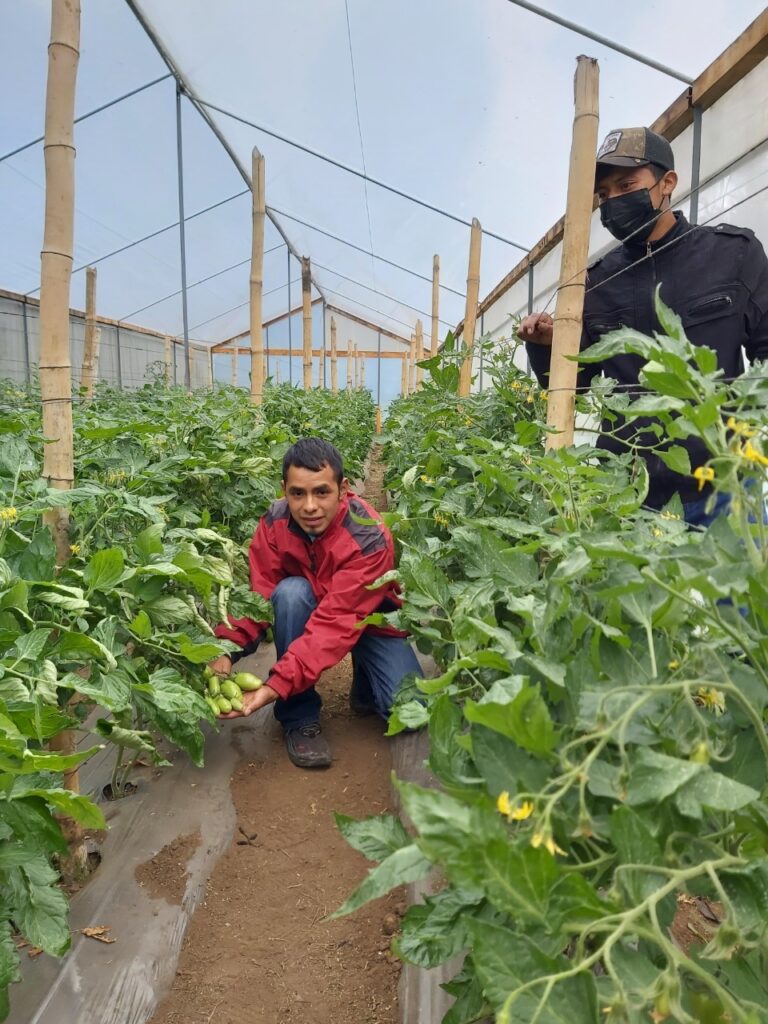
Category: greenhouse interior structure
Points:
column 408, row 360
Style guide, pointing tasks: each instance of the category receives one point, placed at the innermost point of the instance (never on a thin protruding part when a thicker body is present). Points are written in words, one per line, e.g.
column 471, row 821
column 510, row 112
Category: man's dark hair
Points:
column 313, row 453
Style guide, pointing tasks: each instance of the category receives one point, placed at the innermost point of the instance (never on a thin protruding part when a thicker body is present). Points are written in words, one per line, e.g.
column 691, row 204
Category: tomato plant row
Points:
column 598, row 728
column 169, row 487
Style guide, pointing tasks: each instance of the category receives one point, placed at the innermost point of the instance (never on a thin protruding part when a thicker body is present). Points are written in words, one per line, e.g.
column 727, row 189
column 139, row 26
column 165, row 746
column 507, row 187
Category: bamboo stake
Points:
column 378, row 419
column 356, row 367
column 566, row 337
column 210, row 369
column 306, row 286
column 55, row 356
column 88, row 372
column 404, row 375
column 334, row 359
column 419, row 352
column 167, row 359
column 257, row 276
column 234, row 365
column 435, row 303
column 412, row 365
column 470, row 314
column 361, row 361
column 349, row 365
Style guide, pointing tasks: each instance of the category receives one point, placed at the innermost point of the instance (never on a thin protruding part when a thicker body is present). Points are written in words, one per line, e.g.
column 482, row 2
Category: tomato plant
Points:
column 598, row 727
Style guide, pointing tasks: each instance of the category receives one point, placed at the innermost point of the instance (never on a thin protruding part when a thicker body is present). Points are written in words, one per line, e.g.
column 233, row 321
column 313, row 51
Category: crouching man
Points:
column 314, row 559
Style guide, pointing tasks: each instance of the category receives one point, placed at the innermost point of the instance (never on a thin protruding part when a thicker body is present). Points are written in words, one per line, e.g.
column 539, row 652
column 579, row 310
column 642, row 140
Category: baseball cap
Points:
column 633, row 147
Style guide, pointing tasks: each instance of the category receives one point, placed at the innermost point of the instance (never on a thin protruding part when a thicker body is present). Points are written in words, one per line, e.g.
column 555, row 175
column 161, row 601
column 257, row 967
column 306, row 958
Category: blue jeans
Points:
column 379, row 663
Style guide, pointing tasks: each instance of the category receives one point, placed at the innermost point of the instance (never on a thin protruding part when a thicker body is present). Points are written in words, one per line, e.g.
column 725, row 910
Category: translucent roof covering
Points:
column 465, row 105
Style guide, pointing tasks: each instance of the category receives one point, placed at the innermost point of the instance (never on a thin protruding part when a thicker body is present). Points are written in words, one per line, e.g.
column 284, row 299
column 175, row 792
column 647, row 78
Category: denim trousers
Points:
column 379, row 663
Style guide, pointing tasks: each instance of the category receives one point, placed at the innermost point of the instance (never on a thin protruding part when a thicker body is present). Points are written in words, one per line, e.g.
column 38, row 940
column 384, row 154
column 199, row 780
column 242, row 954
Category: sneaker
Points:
column 307, row 747
column 361, row 700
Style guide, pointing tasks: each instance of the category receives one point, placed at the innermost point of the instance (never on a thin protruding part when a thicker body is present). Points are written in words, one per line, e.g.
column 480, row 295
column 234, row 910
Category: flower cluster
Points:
column 8, row 515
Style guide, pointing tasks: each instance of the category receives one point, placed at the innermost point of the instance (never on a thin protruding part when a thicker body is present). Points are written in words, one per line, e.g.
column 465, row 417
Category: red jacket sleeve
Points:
column 266, row 572
column 332, row 629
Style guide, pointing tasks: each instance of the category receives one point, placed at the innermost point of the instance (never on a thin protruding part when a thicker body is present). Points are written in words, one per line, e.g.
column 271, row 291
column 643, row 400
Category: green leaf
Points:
column 169, row 610
column 149, row 542
column 39, row 908
column 105, row 570
column 32, row 823
column 9, row 966
column 79, row 647
column 504, row 766
column 132, row 738
column 410, row 715
column 142, row 625
column 375, row 837
column 74, row 806
column 526, row 720
column 111, row 690
column 447, row 759
column 38, row 562
column 44, row 761
column 676, row 458
column 654, row 776
column 518, row 882
column 434, row 931
column 408, row 864
column 200, row 653
column 29, row 646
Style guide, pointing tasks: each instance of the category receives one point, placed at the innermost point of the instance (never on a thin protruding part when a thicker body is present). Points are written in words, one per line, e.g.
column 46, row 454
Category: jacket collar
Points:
column 680, row 228
column 343, row 508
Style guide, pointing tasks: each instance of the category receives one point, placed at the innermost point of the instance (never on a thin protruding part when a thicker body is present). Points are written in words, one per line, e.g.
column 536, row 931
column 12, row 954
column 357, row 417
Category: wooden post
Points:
column 404, row 375
column 334, row 359
column 306, row 296
column 378, row 419
column 167, row 359
column 566, row 337
column 55, row 354
column 355, row 367
column 210, row 369
column 470, row 313
column 419, row 352
column 235, row 354
column 435, row 303
column 88, row 371
column 412, row 365
column 257, row 276
column 361, row 364
column 349, row 365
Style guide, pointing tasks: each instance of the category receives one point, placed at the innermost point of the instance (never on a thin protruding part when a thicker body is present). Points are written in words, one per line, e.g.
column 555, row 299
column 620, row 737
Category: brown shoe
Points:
column 307, row 747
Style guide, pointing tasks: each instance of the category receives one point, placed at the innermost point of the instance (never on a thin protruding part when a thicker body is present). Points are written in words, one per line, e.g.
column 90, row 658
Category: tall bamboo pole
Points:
column 88, row 371
column 361, row 360
column 412, row 365
column 349, row 365
column 355, row 367
column 404, row 375
column 470, row 314
column 334, row 359
column 167, row 360
column 419, row 352
column 234, row 365
column 257, row 276
column 566, row 337
column 210, row 369
column 378, row 419
column 306, row 298
column 435, row 303
column 55, row 356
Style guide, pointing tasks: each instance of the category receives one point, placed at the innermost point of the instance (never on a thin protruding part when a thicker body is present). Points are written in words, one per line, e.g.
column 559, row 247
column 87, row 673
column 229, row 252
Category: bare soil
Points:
column 165, row 875
column 259, row 949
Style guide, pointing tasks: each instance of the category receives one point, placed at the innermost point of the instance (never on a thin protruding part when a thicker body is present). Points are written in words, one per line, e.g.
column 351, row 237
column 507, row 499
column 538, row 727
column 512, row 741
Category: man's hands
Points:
column 253, row 700
column 536, row 327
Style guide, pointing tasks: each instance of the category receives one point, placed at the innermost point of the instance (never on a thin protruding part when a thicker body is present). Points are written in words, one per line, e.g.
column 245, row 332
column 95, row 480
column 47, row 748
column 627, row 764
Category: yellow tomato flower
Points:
column 544, row 396
column 703, row 474
column 9, row 514
column 426, row 479
column 74, row 549
column 740, row 427
column 750, row 452
column 673, row 665
column 657, row 532
column 518, row 813
column 529, row 398
column 545, row 839
column 711, row 699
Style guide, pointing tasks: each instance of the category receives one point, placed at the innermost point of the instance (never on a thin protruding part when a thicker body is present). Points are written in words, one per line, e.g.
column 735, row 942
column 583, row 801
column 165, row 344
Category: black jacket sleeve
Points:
column 755, row 275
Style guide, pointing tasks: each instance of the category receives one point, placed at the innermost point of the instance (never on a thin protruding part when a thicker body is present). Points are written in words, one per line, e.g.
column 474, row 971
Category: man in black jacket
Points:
column 715, row 278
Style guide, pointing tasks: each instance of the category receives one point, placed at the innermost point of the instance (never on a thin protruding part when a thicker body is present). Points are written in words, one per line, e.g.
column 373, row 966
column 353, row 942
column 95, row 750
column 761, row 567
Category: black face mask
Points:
column 631, row 217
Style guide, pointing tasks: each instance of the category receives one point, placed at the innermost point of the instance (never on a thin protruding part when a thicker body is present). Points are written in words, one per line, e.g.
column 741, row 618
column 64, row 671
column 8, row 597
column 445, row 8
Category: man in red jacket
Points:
column 314, row 555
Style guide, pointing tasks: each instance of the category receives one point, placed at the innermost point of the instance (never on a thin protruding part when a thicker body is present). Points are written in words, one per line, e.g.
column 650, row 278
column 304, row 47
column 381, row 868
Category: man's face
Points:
column 617, row 181
column 313, row 497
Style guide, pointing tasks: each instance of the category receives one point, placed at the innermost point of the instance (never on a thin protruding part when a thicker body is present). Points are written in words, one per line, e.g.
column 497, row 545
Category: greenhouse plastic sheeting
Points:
column 470, row 110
